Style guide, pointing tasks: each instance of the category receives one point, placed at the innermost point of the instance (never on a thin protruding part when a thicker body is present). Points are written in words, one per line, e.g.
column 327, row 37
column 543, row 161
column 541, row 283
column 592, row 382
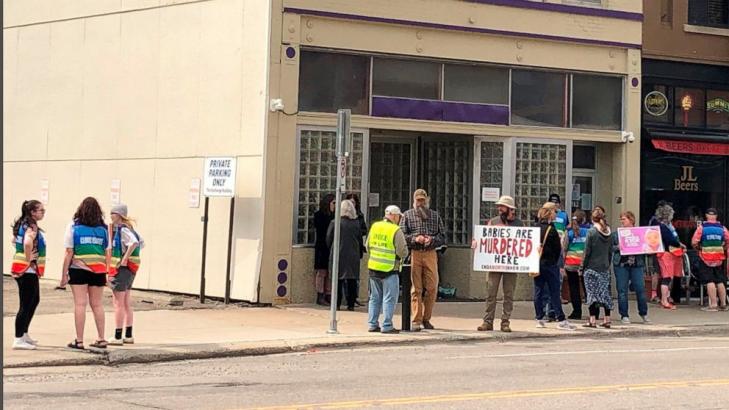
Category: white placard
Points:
column 586, row 200
column 115, row 191
column 219, row 177
column 193, row 200
column 490, row 194
column 373, row 199
column 44, row 191
column 506, row 249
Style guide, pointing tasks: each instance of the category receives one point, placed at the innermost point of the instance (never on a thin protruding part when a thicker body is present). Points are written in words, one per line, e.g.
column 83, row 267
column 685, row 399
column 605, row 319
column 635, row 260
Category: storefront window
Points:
column 717, row 109
column 597, row 102
column 328, row 82
column 541, row 170
column 690, row 108
column 403, row 78
column 657, row 104
column 446, row 176
column 538, row 98
column 318, row 176
column 492, row 175
column 476, row 84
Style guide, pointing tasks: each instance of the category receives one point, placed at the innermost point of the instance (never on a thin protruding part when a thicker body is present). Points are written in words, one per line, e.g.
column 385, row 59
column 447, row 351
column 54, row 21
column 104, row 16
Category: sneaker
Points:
column 392, row 331
column 485, row 327
column 129, row 340
column 566, row 325
column 374, row 329
column 709, row 309
column 22, row 344
column 116, row 342
column 625, row 320
column 551, row 319
column 541, row 324
column 427, row 325
column 646, row 321
column 415, row 327
column 28, row 339
column 724, row 308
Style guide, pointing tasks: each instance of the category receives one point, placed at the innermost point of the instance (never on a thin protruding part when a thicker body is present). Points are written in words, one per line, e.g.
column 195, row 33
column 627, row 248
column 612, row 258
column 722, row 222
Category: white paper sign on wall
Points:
column 193, row 200
column 115, row 191
column 44, row 191
column 219, row 177
column 490, row 194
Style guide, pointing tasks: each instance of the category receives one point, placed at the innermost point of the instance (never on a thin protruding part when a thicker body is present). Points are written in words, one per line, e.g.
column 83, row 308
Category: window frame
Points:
column 365, row 174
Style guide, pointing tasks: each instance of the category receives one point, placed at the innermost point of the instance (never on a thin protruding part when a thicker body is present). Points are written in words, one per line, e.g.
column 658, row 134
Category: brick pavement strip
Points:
column 182, row 334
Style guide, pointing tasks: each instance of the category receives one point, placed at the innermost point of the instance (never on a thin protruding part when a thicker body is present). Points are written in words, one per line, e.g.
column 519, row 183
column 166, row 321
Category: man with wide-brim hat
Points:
column 506, row 217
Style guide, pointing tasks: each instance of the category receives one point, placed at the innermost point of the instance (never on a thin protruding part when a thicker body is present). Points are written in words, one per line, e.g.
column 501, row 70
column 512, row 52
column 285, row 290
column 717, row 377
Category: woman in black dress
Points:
column 322, row 218
column 363, row 227
column 350, row 237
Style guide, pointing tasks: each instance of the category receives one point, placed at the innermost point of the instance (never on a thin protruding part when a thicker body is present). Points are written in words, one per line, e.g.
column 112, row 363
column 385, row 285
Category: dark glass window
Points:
column 328, row 82
column 717, row 109
column 712, row 13
column 657, row 104
column 597, row 102
column 583, row 156
column 690, row 107
column 402, row 78
column 538, row 98
column 476, row 84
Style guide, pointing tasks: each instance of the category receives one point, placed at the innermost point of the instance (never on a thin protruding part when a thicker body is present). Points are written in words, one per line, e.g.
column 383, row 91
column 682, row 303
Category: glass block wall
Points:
column 541, row 169
column 492, row 175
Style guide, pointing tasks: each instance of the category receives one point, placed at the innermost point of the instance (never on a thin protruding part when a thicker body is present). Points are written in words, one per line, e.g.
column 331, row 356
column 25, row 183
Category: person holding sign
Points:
column 387, row 248
column 596, row 268
column 711, row 239
column 548, row 278
column 629, row 271
column 507, row 217
column 424, row 232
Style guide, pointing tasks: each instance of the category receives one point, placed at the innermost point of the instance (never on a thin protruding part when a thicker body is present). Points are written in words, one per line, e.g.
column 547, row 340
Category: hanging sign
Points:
column 506, row 249
column 219, row 177
column 691, row 147
column 655, row 103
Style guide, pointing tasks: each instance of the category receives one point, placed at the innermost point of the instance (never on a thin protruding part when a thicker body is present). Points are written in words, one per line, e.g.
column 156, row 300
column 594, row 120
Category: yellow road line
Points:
column 499, row 395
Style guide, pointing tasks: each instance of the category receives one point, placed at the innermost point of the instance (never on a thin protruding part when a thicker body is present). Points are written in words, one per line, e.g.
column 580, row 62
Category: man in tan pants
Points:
column 424, row 232
column 507, row 217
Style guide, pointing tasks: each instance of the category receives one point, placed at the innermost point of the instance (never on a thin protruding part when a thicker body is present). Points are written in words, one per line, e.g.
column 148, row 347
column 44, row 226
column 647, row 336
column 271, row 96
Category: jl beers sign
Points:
column 687, row 181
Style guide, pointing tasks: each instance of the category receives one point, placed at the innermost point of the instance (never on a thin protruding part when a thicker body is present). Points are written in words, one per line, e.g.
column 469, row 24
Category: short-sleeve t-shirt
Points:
column 68, row 244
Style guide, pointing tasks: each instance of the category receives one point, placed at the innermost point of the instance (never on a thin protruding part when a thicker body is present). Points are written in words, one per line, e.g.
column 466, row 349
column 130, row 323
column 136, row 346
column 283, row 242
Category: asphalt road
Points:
column 666, row 373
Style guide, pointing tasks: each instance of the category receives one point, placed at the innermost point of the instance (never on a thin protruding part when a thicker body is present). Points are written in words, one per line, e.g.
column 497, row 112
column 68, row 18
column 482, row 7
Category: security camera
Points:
column 627, row 136
column 276, row 105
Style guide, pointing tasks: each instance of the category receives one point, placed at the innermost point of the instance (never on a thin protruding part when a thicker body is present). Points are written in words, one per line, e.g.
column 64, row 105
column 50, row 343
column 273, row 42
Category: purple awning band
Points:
column 439, row 110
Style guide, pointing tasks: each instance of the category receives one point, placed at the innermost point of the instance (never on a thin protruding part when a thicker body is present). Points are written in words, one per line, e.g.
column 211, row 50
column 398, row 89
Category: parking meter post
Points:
column 406, row 282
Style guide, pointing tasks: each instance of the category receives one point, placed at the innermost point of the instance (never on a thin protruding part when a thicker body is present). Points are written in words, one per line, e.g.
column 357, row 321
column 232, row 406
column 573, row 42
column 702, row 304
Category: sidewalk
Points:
column 163, row 335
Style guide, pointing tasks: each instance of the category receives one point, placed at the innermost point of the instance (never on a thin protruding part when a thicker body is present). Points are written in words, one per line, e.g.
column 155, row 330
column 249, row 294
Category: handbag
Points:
column 544, row 241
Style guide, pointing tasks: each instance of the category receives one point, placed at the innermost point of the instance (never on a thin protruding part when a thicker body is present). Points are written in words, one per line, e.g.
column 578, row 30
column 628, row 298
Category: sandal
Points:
column 669, row 306
column 100, row 344
column 606, row 325
column 76, row 345
column 588, row 324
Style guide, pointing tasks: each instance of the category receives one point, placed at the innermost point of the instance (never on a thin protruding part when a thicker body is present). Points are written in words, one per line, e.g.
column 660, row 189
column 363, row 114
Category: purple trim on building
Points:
column 449, row 27
column 563, row 8
column 434, row 110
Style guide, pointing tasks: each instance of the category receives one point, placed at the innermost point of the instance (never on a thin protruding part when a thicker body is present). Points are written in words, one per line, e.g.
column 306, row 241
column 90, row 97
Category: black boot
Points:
column 320, row 299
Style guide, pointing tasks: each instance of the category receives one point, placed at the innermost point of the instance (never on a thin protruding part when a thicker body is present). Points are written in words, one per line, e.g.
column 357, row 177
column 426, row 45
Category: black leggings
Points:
column 573, row 280
column 29, row 294
column 595, row 310
column 350, row 286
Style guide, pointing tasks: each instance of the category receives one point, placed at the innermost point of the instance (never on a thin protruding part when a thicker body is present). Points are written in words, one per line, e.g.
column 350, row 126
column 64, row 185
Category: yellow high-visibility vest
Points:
column 381, row 244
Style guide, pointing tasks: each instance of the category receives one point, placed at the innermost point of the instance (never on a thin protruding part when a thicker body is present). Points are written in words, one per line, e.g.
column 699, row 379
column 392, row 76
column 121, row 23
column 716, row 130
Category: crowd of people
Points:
column 96, row 255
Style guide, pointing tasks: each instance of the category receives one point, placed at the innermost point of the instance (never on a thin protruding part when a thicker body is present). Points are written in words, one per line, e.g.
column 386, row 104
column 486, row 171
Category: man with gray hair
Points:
column 387, row 248
column 424, row 232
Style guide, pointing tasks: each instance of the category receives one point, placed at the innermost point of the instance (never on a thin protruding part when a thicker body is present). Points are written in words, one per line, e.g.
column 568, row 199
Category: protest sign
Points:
column 506, row 249
column 640, row 240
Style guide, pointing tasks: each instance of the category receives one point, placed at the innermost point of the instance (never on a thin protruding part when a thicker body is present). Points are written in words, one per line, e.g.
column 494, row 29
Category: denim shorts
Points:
column 122, row 281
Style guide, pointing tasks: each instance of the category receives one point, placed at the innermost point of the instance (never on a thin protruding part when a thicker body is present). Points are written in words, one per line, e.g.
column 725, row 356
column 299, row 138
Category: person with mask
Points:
column 424, row 232
column 711, row 239
column 506, row 209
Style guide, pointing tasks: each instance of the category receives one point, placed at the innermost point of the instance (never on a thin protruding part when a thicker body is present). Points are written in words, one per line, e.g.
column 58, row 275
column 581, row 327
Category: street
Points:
column 618, row 373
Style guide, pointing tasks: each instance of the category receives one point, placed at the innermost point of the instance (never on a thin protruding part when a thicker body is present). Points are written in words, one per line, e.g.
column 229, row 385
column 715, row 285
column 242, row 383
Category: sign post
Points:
column 218, row 181
column 343, row 124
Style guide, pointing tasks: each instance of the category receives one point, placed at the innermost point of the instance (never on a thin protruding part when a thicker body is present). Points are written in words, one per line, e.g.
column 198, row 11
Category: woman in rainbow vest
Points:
column 574, row 243
column 88, row 252
column 28, row 265
column 125, row 246
column 711, row 239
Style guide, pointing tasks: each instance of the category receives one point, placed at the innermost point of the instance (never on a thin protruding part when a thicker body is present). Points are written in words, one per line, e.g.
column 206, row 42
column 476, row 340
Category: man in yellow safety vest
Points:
column 387, row 248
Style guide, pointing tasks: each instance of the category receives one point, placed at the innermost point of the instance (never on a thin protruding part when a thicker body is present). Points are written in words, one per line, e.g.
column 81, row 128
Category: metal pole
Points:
column 230, row 248
column 343, row 118
column 204, row 250
column 406, row 282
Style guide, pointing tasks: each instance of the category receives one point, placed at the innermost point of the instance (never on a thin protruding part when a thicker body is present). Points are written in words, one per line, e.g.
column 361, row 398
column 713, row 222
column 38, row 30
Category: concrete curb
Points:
column 114, row 357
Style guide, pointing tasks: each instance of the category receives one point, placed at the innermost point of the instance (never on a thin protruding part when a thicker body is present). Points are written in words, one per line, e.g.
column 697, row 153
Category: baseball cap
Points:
column 555, row 199
column 712, row 211
column 393, row 210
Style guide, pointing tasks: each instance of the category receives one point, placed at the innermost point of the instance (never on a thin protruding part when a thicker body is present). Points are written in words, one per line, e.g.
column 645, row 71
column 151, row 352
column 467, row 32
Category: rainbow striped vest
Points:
column 20, row 263
column 712, row 243
column 575, row 249
column 89, row 246
column 560, row 223
column 117, row 253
